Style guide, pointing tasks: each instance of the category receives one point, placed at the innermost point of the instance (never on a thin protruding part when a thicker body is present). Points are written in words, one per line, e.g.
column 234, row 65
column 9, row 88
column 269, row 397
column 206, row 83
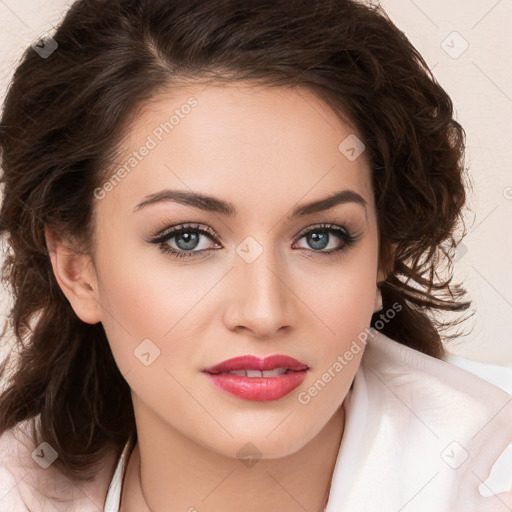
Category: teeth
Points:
column 240, row 373
column 257, row 373
column 254, row 373
column 274, row 373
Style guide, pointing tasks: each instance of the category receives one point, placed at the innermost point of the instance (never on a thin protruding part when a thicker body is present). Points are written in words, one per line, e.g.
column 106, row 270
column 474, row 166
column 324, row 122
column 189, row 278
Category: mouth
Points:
column 246, row 372
column 258, row 379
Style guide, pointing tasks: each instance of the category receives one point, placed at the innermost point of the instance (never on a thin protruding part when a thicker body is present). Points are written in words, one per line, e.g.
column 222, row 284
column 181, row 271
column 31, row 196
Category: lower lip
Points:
column 260, row 389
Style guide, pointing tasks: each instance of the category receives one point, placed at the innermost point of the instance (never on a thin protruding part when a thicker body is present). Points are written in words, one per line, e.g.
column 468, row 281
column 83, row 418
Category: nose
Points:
column 261, row 298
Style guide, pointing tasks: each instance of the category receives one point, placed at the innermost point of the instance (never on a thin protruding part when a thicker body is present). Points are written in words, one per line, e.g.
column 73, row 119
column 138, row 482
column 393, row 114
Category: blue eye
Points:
column 187, row 239
column 320, row 236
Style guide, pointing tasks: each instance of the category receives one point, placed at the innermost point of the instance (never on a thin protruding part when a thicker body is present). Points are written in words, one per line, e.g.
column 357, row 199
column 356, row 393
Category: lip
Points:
column 261, row 389
column 257, row 363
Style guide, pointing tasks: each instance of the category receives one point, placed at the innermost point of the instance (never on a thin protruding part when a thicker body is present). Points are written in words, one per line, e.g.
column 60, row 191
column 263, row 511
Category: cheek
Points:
column 342, row 295
column 342, row 302
column 342, row 308
column 151, row 299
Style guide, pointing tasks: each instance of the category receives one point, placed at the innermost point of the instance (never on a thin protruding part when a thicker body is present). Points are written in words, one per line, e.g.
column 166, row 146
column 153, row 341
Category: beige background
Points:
column 466, row 44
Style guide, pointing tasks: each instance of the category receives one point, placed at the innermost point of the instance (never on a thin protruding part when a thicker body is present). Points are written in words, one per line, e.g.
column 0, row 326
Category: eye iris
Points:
column 191, row 240
column 319, row 239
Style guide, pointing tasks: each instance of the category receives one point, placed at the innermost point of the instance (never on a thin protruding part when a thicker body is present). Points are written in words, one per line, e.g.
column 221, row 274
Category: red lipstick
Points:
column 258, row 379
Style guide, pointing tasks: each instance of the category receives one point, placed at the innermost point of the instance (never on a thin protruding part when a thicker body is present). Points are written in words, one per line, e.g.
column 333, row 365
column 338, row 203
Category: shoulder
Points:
column 28, row 482
column 10, row 476
column 444, row 427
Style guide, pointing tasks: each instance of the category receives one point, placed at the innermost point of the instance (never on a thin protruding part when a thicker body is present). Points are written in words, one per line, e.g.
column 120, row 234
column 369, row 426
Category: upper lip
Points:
column 250, row 362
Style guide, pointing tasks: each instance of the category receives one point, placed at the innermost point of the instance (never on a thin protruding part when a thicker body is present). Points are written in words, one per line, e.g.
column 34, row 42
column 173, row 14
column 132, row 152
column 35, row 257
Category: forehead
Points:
column 242, row 141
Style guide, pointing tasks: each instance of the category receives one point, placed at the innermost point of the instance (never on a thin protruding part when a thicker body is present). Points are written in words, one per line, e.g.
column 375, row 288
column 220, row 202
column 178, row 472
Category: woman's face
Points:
column 255, row 281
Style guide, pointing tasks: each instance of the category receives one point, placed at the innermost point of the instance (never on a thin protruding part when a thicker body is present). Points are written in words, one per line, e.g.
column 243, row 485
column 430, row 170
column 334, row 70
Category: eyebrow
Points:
column 212, row 204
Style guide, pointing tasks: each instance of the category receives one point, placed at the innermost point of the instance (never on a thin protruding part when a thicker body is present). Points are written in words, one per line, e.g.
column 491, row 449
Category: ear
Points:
column 386, row 263
column 76, row 277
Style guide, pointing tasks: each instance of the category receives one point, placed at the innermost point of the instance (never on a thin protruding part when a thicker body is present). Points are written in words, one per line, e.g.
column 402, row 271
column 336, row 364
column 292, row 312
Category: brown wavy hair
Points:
column 65, row 117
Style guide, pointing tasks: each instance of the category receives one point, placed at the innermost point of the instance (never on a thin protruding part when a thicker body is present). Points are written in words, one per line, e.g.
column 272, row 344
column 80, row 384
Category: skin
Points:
column 265, row 150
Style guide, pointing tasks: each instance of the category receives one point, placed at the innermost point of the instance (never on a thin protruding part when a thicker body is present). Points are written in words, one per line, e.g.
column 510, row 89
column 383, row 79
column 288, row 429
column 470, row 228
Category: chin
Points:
column 259, row 444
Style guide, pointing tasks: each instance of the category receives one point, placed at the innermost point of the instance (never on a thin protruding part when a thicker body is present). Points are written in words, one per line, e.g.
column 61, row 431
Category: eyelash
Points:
column 161, row 239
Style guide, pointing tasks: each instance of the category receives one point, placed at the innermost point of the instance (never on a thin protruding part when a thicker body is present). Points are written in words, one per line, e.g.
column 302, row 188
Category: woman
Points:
column 226, row 223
